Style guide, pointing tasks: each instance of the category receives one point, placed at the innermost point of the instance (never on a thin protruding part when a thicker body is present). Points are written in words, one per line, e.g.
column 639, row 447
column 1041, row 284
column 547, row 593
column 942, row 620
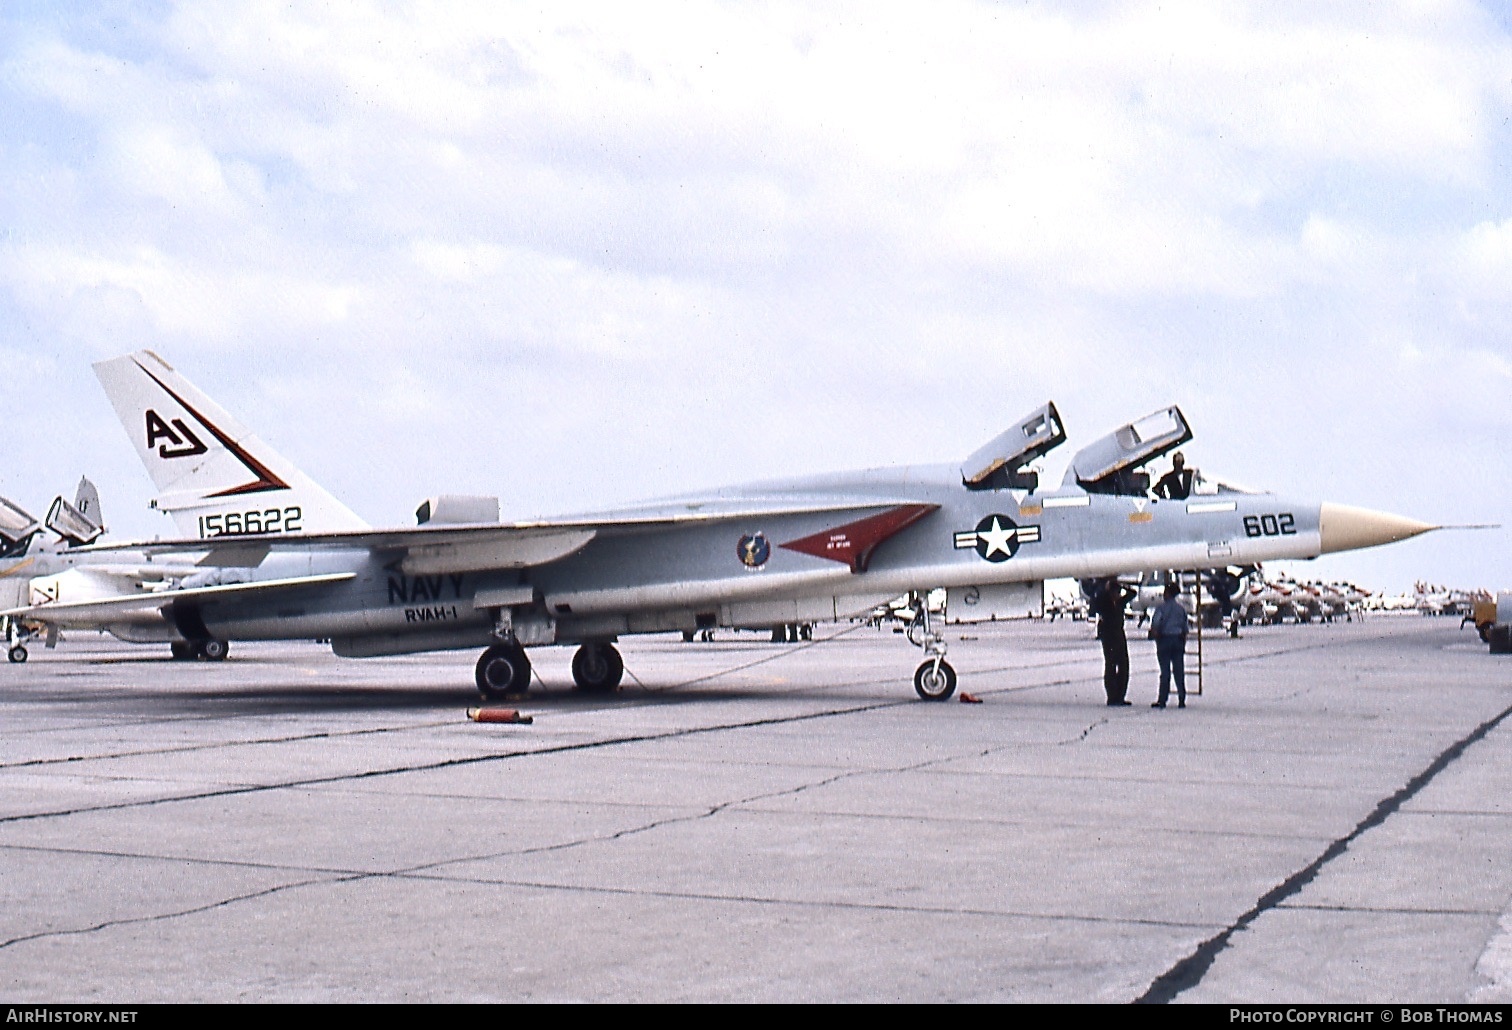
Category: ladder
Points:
column 1190, row 654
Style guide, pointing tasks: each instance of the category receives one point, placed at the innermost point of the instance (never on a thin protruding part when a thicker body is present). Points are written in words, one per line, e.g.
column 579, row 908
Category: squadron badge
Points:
column 753, row 550
column 997, row 538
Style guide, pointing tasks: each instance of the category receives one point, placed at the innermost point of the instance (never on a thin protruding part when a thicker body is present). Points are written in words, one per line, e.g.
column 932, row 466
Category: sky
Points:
column 582, row 254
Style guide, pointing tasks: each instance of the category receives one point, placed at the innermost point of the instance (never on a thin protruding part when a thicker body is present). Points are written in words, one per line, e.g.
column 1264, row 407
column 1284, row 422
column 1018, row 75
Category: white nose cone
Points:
column 1347, row 529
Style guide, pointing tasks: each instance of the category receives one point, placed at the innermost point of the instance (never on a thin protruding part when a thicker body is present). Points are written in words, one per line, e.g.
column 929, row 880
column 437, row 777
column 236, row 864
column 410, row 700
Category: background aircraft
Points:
column 25, row 557
column 281, row 559
column 34, row 571
column 1223, row 590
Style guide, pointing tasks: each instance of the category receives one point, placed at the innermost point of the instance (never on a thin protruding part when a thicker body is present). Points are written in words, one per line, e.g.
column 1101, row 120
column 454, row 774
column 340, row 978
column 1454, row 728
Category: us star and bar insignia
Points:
column 997, row 538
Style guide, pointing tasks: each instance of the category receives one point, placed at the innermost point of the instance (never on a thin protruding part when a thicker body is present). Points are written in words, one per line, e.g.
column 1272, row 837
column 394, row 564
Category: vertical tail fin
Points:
column 87, row 502
column 212, row 475
column 80, row 522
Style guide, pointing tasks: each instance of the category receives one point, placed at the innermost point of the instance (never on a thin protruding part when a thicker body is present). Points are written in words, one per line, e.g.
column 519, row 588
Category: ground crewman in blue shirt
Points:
column 1168, row 629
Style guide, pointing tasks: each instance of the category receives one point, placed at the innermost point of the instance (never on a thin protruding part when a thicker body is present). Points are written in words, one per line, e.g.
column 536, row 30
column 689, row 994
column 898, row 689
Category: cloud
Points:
column 179, row 298
column 602, row 252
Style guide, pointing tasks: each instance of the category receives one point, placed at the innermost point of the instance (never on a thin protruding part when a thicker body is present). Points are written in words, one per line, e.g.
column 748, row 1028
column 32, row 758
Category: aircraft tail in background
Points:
column 78, row 523
column 211, row 473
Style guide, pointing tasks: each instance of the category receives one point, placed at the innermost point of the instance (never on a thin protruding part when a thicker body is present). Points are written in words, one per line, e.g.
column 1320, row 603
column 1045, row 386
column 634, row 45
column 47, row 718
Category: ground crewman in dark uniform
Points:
column 1108, row 605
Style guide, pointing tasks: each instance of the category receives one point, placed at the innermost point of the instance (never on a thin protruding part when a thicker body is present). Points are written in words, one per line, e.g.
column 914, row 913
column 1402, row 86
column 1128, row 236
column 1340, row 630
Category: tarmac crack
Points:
column 340, row 872
column 454, row 763
column 1189, row 972
column 480, row 759
column 708, row 813
column 179, row 914
column 419, row 874
column 1388, row 910
column 1083, row 735
column 188, row 748
column 427, row 872
column 864, row 906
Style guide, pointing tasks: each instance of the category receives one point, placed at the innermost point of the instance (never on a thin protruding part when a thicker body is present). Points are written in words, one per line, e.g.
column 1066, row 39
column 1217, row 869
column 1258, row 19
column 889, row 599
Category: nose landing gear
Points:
column 934, row 680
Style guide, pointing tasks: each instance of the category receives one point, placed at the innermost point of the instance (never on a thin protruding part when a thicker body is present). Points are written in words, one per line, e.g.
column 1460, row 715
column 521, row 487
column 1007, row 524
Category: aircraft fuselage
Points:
column 748, row 574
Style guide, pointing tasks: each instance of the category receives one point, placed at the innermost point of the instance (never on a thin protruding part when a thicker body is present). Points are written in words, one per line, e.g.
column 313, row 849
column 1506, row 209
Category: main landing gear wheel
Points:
column 17, row 654
column 597, row 668
column 935, row 683
column 503, row 670
column 210, row 650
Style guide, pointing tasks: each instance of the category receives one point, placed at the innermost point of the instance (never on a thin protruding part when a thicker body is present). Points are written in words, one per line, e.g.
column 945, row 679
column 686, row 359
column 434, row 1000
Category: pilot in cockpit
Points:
column 1176, row 485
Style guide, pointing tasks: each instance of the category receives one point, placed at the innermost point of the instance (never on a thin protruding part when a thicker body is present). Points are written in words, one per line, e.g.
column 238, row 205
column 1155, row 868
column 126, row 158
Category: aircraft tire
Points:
column 213, row 650
column 503, row 670
column 17, row 654
column 597, row 668
column 1501, row 640
column 182, row 650
column 931, row 686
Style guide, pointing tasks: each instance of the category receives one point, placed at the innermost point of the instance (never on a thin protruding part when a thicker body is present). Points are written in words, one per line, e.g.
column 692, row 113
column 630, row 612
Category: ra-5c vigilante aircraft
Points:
column 282, row 559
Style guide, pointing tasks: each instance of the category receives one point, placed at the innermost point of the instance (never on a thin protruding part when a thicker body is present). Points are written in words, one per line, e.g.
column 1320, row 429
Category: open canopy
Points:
column 1111, row 465
column 1000, row 463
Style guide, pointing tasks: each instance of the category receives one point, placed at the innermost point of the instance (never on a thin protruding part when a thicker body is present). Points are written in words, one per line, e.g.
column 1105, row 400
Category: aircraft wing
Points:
column 433, row 549
column 103, row 609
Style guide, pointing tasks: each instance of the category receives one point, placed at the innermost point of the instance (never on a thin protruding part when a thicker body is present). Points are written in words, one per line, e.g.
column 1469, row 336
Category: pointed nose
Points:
column 1347, row 529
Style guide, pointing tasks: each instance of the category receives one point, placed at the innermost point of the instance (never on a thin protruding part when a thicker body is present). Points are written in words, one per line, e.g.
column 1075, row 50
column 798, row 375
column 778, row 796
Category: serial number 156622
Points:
column 242, row 523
